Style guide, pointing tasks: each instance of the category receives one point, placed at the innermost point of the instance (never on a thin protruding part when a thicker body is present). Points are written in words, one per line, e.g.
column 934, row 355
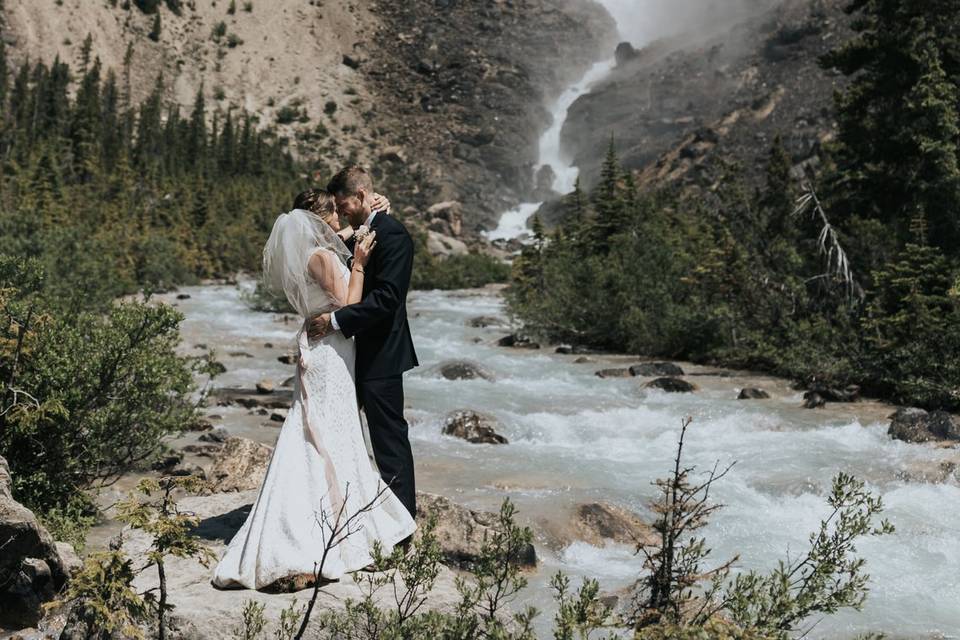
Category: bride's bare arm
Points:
column 361, row 256
column 324, row 271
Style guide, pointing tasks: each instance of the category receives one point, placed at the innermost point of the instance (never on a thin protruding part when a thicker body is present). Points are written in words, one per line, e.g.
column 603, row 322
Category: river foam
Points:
column 577, row 438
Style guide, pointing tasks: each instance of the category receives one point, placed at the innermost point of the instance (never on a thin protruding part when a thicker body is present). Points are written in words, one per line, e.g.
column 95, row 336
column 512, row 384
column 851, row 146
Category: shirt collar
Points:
column 370, row 218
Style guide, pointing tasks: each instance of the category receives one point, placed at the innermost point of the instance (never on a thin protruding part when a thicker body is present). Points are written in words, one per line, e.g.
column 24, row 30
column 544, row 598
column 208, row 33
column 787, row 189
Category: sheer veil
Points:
column 296, row 236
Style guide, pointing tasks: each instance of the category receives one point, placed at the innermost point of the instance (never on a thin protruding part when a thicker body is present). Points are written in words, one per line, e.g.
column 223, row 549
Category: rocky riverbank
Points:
column 580, row 451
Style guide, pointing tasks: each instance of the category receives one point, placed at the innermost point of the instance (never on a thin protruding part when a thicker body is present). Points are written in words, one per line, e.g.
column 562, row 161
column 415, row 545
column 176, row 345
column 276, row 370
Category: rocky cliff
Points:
column 680, row 108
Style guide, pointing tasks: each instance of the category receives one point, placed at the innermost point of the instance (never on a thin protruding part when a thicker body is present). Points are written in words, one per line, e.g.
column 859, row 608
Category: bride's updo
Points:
column 318, row 202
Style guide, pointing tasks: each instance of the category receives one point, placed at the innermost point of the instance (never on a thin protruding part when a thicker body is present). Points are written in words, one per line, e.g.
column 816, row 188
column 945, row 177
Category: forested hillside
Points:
column 839, row 274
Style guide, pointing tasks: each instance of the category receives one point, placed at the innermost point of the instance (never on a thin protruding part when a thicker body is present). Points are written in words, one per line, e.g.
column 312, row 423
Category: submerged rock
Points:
column 752, row 393
column 813, row 400
column 613, row 373
column 656, row 369
column 482, row 322
column 240, row 465
column 671, row 385
column 473, row 427
column 266, row 386
column 220, row 434
column 461, row 531
column 464, row 370
column 917, row 425
column 599, row 522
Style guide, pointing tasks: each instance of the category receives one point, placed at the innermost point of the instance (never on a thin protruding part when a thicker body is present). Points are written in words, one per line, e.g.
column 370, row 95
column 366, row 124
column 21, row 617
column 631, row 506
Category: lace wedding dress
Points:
column 319, row 462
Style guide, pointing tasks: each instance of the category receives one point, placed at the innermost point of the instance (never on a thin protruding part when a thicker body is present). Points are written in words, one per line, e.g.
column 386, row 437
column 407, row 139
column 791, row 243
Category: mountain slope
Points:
column 442, row 97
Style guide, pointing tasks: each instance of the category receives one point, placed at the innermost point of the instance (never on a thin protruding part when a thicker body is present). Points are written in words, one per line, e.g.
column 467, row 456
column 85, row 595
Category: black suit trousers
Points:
column 382, row 401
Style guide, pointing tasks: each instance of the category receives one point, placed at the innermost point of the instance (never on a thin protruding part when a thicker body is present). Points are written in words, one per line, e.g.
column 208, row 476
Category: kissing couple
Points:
column 350, row 286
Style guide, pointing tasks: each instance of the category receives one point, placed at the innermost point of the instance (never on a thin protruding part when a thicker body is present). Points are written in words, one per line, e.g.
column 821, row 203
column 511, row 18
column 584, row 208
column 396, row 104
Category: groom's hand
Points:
column 320, row 327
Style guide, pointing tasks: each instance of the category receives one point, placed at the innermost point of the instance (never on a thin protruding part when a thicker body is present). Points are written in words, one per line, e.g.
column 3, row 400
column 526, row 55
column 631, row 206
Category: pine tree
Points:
column 156, row 28
column 610, row 214
column 898, row 140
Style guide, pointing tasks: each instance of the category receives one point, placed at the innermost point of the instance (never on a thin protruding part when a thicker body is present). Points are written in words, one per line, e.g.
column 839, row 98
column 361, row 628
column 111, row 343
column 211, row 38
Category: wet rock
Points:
column 464, row 370
column 201, row 424
column 917, row 425
column 279, row 415
column 671, row 385
column 613, row 373
column 584, row 360
column 473, row 427
column 250, row 398
column 482, row 322
column 751, row 393
column 220, row 434
column 350, row 61
column 288, row 383
column 288, row 358
column 651, row 369
column 183, row 296
column 240, row 354
column 849, row 393
column 240, row 465
column 518, row 341
column 266, row 386
column 32, row 570
column 461, row 531
column 203, row 450
column 813, row 400
column 268, row 345
column 167, row 462
column 598, row 522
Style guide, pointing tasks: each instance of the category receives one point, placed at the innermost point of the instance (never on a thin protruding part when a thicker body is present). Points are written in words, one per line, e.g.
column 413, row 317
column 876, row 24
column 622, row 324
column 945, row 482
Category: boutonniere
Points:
column 362, row 233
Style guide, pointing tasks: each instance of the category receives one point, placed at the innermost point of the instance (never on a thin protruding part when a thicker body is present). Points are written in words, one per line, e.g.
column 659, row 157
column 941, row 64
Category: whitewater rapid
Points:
column 577, row 438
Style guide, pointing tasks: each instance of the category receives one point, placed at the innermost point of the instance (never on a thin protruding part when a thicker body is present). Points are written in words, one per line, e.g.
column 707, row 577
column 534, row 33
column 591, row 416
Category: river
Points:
column 576, row 438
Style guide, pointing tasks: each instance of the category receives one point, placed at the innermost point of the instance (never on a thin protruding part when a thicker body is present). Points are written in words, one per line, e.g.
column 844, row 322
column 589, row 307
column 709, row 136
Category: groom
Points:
column 379, row 322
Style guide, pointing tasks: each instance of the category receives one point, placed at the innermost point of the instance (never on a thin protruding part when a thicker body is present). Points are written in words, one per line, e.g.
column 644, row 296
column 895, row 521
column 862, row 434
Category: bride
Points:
column 320, row 467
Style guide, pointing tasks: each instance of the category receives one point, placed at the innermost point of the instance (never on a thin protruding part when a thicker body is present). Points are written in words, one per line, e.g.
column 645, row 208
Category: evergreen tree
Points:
column 899, row 138
column 609, row 212
column 156, row 28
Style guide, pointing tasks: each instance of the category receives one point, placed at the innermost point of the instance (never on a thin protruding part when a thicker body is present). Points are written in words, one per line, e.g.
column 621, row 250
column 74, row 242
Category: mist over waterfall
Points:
column 639, row 22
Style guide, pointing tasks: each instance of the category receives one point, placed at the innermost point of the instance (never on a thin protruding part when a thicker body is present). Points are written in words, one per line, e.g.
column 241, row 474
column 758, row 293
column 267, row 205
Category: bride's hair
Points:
column 316, row 201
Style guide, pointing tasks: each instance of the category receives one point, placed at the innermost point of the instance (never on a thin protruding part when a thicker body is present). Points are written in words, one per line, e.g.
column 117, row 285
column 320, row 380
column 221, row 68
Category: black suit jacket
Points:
column 379, row 320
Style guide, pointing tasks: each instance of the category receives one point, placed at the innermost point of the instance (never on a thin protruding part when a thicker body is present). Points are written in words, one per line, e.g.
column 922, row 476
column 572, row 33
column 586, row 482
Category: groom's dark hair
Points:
column 350, row 180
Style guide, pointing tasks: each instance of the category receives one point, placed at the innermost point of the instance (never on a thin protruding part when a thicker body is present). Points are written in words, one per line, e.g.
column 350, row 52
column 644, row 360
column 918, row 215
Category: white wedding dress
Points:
column 320, row 459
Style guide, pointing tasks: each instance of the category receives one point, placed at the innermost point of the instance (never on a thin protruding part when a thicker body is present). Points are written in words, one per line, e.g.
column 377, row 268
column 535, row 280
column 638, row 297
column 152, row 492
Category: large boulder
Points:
column 240, row 465
column 599, row 522
column 752, row 393
column 444, row 246
column 473, row 427
column 671, row 385
column 917, row 425
column 461, row 531
column 650, row 369
column 464, row 370
column 32, row 569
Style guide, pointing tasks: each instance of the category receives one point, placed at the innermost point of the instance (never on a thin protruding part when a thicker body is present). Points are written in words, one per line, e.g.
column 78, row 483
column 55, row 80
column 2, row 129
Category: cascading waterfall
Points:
column 629, row 17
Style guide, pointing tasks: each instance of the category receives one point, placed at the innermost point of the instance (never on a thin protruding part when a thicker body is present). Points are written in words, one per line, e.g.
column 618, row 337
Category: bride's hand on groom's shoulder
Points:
column 380, row 203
